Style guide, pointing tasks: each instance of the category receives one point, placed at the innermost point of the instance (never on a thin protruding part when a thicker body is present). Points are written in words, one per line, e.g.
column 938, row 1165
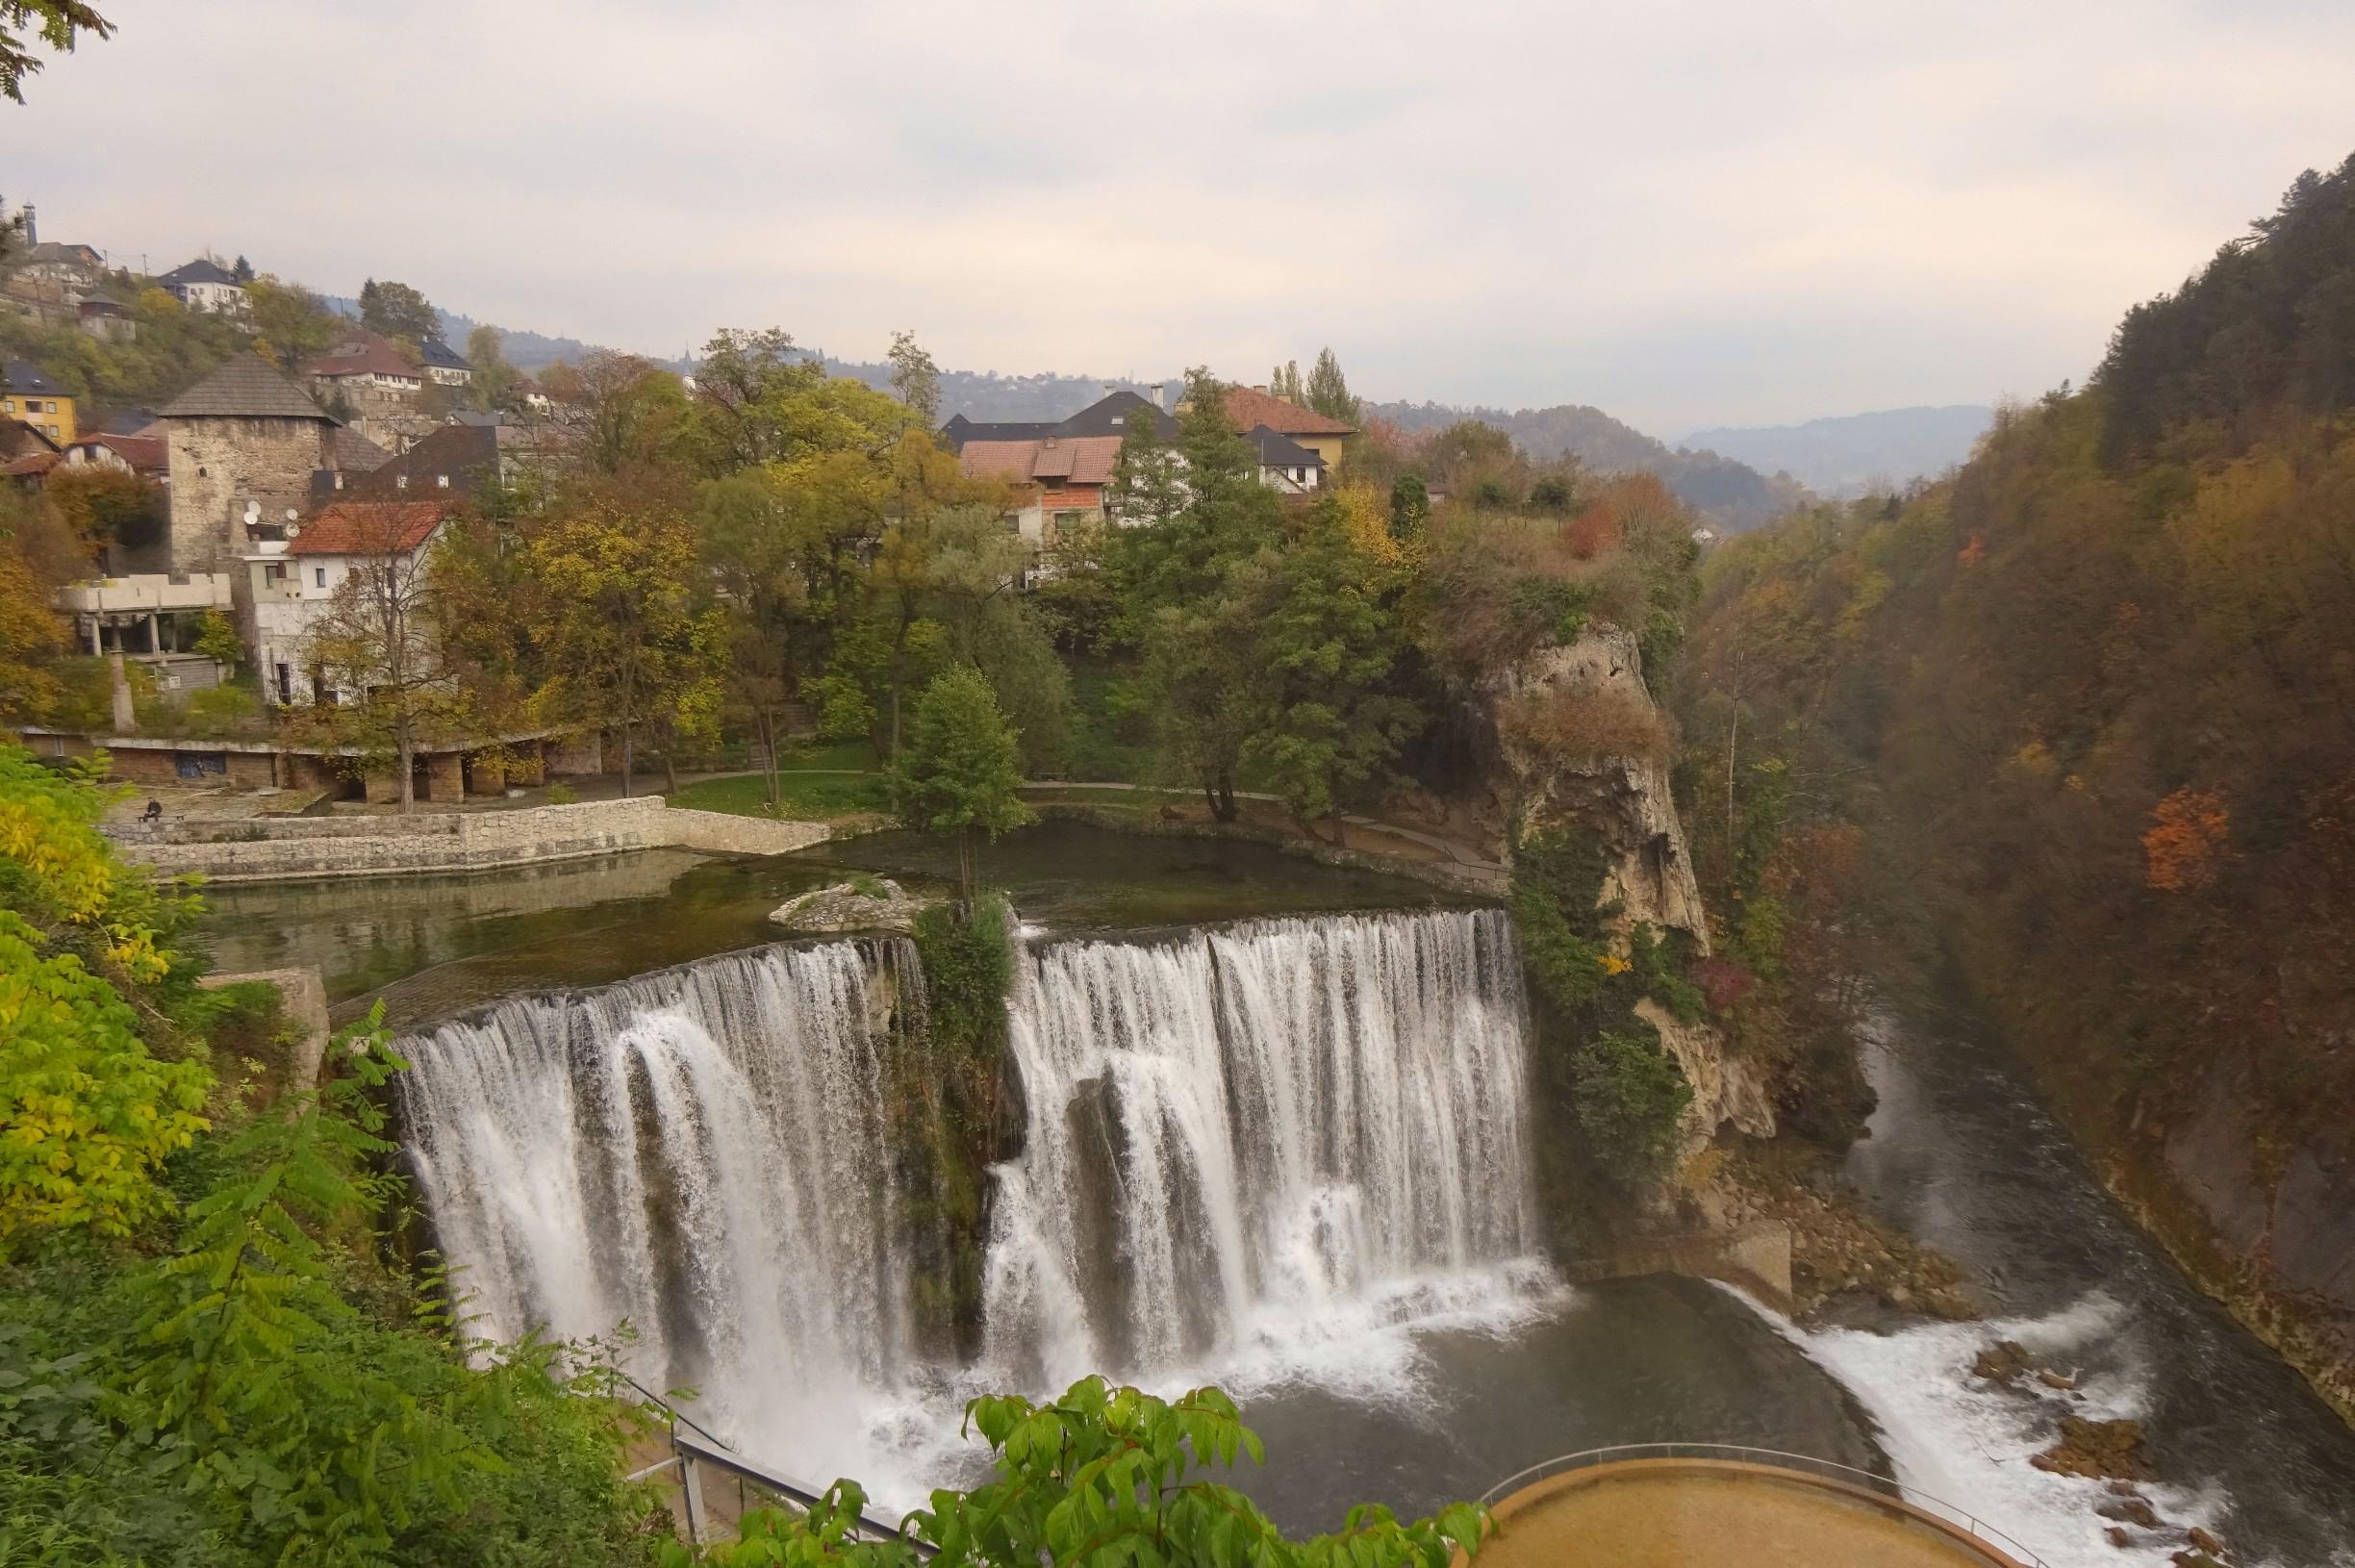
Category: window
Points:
column 273, row 572
column 319, row 577
column 400, row 481
column 338, row 479
column 441, row 481
column 285, row 685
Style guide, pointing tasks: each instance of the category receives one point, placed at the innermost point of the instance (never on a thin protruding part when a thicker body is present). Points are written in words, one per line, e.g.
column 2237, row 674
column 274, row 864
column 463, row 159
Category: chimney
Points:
column 31, row 235
column 1153, row 395
column 1260, row 387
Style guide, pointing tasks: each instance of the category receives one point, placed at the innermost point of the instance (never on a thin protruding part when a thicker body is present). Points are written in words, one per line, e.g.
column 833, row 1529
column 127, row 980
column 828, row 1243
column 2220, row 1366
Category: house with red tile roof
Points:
column 1058, row 481
column 293, row 582
column 1252, row 407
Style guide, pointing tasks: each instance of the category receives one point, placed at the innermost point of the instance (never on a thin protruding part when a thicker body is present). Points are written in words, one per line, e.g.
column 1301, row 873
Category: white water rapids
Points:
column 1259, row 1152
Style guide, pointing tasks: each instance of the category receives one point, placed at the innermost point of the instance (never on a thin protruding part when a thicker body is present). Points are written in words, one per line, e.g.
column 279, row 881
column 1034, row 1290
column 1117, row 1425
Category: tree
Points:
column 629, row 413
column 915, row 377
column 375, row 639
column 1327, row 721
column 622, row 620
column 243, row 270
column 30, row 638
column 398, row 310
column 1329, row 391
column 217, row 640
column 959, row 772
column 1284, row 382
column 1102, row 1474
column 291, row 325
column 61, row 22
column 493, row 385
column 87, row 1115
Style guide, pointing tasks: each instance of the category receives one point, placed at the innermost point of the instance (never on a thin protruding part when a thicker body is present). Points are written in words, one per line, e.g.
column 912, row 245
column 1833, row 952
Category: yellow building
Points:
column 26, row 394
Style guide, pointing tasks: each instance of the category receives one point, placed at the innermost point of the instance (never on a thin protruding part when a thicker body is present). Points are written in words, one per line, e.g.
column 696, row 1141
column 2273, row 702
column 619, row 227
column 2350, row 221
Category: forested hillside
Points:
column 1731, row 494
column 2092, row 700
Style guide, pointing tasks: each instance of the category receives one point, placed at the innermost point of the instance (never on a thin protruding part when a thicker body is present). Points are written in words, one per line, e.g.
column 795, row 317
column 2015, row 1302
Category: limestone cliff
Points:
column 1547, row 713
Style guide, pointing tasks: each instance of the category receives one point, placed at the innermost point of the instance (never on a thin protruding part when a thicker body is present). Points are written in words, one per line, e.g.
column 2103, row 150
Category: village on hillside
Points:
column 270, row 500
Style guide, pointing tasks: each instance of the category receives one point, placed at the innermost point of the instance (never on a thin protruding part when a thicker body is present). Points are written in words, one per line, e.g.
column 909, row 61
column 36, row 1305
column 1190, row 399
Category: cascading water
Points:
column 1252, row 1153
column 695, row 1152
column 1253, row 1145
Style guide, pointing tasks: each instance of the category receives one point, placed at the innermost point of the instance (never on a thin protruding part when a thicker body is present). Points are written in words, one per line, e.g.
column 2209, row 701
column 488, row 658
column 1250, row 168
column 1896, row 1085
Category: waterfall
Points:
column 1250, row 1152
column 1254, row 1141
column 699, row 1152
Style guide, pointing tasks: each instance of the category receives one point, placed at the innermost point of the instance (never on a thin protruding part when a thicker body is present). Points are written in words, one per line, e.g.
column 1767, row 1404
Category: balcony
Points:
column 145, row 593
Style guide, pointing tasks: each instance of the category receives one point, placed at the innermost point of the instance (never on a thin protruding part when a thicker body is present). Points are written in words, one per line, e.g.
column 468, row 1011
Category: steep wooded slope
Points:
column 2102, row 683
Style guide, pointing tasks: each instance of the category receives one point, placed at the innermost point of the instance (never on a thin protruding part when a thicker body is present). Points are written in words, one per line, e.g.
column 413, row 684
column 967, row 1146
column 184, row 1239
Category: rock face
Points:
column 845, row 907
column 1624, row 798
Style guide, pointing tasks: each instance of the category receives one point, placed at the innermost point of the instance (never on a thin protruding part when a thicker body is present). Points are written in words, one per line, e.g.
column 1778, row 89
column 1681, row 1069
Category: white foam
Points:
column 1966, row 1443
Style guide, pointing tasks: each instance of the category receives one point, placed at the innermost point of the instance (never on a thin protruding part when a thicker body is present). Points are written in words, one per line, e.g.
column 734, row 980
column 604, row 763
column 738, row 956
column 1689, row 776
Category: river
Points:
column 1400, row 1359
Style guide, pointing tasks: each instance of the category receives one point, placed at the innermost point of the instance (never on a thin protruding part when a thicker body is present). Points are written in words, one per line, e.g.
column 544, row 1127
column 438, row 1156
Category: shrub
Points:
column 1631, row 1094
column 1608, row 723
column 562, row 794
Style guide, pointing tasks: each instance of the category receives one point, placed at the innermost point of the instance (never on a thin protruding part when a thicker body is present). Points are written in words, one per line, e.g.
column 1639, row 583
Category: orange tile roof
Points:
column 1250, row 409
column 1073, row 459
column 30, row 466
column 368, row 528
column 361, row 352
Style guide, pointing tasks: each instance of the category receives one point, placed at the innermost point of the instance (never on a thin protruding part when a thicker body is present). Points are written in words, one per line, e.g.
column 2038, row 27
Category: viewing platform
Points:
column 1670, row 1505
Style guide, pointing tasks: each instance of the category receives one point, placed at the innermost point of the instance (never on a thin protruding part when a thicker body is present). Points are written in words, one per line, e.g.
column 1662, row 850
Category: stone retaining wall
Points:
column 274, row 848
column 1755, row 1256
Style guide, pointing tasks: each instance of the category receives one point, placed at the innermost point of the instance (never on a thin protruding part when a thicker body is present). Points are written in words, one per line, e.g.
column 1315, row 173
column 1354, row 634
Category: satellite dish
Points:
column 291, row 514
column 253, row 513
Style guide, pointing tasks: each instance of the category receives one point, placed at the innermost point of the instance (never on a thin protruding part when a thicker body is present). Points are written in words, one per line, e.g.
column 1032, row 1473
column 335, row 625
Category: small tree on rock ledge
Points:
column 958, row 773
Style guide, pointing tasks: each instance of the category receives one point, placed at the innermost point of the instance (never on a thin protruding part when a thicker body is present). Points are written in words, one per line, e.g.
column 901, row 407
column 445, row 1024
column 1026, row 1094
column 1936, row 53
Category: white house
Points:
column 205, row 286
column 1285, row 464
column 294, row 583
column 445, row 365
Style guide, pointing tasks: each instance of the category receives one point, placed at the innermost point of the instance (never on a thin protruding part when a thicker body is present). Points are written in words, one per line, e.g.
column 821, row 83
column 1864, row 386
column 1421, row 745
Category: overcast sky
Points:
column 1716, row 212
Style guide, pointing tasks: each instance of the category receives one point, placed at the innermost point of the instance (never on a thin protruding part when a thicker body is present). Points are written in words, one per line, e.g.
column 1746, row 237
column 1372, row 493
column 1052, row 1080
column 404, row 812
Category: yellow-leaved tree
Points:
column 87, row 1112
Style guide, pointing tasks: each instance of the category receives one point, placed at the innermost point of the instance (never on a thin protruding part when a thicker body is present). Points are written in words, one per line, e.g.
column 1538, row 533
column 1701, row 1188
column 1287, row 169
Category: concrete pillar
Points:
column 126, row 721
column 446, row 776
column 488, row 769
column 526, row 765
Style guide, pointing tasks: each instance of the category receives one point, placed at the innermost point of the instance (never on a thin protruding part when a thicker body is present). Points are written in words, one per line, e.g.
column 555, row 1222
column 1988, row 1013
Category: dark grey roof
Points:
column 199, row 270
column 467, row 455
column 1116, row 415
column 244, row 387
column 355, row 453
column 20, row 377
column 1281, row 451
column 436, row 352
column 959, row 430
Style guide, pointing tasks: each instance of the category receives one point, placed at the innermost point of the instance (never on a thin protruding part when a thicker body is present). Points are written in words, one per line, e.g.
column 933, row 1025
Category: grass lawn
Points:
column 804, row 795
column 852, row 756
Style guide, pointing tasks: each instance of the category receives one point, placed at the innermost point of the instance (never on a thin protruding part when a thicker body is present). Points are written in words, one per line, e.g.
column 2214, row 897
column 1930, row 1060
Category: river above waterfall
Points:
column 431, row 945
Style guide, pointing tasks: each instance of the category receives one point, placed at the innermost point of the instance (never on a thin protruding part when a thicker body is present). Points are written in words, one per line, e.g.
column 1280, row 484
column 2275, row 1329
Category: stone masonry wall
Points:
column 299, row 846
column 217, row 463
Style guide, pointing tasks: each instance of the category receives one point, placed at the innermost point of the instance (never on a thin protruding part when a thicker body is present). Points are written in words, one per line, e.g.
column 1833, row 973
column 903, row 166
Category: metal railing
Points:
column 693, row 1447
column 1805, row 1464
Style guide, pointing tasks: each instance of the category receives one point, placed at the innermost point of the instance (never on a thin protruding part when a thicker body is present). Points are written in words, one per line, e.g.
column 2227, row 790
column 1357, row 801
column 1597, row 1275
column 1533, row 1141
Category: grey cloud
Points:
column 1692, row 214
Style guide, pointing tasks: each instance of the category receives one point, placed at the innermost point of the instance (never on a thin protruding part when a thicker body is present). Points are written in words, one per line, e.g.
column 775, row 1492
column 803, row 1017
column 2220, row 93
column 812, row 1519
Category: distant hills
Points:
column 1732, row 494
column 1735, row 477
column 1854, row 453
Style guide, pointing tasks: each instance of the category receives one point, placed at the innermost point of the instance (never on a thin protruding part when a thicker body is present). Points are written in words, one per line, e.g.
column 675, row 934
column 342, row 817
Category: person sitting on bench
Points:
column 154, row 812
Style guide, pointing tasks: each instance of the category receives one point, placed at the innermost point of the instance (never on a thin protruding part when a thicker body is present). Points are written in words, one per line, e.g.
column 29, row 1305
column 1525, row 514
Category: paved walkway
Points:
column 1454, row 852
